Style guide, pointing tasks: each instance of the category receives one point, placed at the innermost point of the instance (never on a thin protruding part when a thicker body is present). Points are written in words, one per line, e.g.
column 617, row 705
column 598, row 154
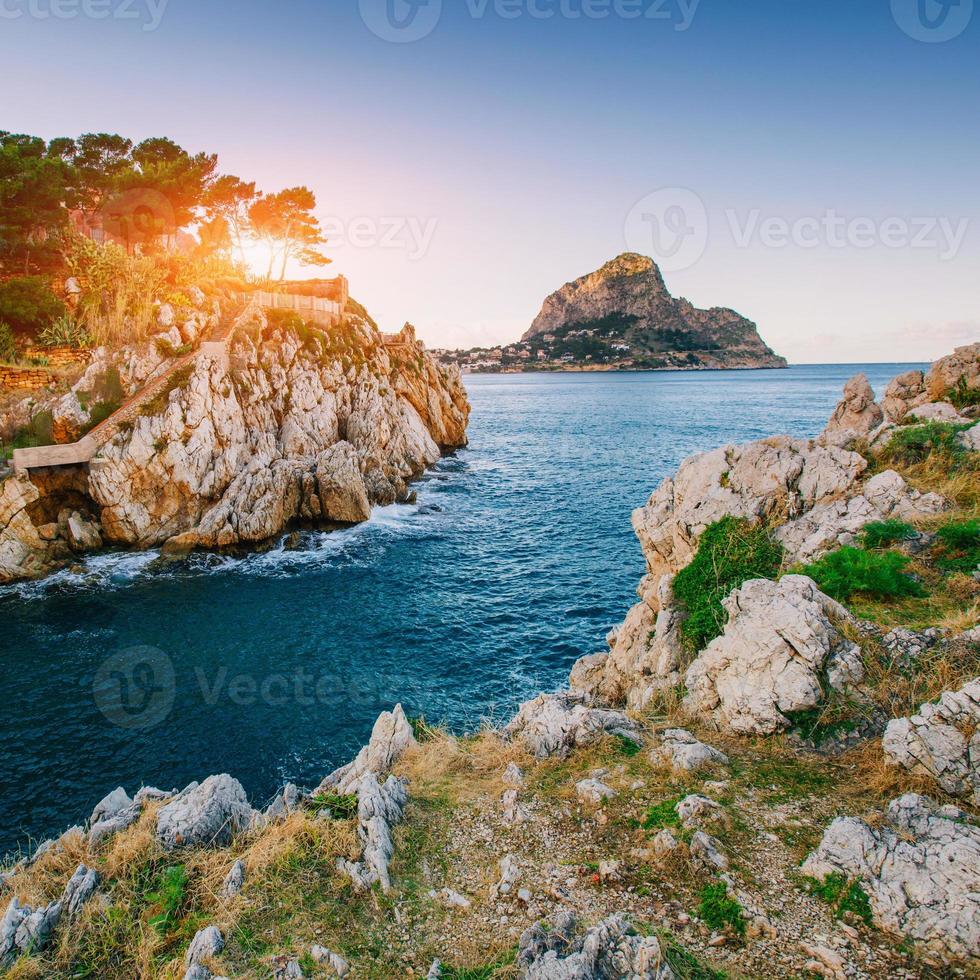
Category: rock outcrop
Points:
column 781, row 640
column 205, row 815
column 959, row 371
column 627, row 301
column 554, row 724
column 391, row 738
column 611, row 950
column 287, row 429
column 921, row 873
column 941, row 741
column 379, row 809
column 679, row 749
column 857, row 415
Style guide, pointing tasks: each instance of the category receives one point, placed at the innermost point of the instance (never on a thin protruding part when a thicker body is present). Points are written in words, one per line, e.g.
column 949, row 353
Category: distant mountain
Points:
column 625, row 313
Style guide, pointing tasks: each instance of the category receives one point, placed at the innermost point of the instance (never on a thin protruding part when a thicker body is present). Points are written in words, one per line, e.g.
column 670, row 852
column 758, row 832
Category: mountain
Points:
column 624, row 313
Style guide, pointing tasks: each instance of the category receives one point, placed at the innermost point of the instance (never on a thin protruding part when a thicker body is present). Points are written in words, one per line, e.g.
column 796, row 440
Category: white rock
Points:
column 593, row 791
column 234, row 881
column 510, row 872
column 332, row 961
column 921, row 873
column 207, row 815
column 554, row 724
column 80, row 888
column 696, row 811
column 937, row 412
column 857, row 414
column 513, row 776
column 707, row 850
column 514, row 811
column 679, row 749
column 205, row 945
column 379, row 809
column 391, row 738
column 610, row 950
column 941, row 741
column 779, row 640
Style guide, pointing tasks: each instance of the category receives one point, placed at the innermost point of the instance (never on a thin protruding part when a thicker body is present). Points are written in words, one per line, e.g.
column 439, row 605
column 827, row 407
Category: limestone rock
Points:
column 679, row 749
column 80, row 888
column 752, row 481
column 838, row 522
column 24, row 929
column 646, row 655
column 234, row 881
column 510, row 872
column 630, row 290
column 391, row 738
column 207, row 815
column 941, row 741
column 937, row 412
column 780, row 640
column 513, row 776
column 111, row 805
column 205, row 945
column 961, row 368
column 903, row 393
column 970, row 439
column 696, row 811
column 514, row 811
column 707, row 851
column 330, row 960
column 610, row 950
column 594, row 790
column 857, row 414
column 921, row 872
column 554, row 724
column 379, row 809
column 341, row 491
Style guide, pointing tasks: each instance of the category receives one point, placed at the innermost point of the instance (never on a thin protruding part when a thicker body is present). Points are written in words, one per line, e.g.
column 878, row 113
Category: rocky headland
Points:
column 773, row 771
column 623, row 317
column 280, row 425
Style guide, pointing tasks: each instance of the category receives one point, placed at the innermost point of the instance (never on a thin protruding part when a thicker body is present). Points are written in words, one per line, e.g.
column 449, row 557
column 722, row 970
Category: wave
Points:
column 292, row 554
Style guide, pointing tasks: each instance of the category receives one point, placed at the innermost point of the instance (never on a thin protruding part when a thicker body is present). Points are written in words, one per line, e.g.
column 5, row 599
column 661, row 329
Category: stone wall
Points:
column 26, row 379
column 59, row 357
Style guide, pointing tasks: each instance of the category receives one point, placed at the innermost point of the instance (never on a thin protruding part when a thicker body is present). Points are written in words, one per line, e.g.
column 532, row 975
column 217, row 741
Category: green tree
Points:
column 285, row 221
column 229, row 200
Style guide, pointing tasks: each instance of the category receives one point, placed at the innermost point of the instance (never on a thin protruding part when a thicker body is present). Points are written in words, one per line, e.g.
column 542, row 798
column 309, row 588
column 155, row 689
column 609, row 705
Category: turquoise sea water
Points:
column 517, row 559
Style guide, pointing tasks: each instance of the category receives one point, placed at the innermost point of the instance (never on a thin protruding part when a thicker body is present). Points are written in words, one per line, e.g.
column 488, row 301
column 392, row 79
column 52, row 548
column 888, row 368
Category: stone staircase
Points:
column 83, row 451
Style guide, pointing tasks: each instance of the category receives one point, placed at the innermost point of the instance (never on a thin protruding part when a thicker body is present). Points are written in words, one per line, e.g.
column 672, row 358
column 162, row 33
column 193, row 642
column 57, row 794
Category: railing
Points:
column 85, row 448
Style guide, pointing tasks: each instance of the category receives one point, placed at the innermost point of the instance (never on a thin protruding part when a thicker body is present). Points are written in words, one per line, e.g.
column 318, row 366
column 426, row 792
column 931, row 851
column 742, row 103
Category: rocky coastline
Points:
column 756, row 779
column 293, row 426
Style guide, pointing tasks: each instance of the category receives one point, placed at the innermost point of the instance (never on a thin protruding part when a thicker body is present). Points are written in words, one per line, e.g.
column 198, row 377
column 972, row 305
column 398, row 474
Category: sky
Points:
column 809, row 163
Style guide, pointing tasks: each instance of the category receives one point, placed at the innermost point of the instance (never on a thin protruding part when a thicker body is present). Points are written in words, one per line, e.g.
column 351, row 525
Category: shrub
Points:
column 962, row 395
column 730, row 552
column 959, row 546
column 916, row 443
column 66, row 331
column 849, row 571
column 882, row 534
column 719, row 911
column 337, row 806
column 28, row 305
column 662, row 814
column 8, row 349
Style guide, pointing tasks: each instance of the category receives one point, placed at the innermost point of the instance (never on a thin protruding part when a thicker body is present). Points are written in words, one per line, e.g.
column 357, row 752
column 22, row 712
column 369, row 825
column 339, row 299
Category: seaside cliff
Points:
column 286, row 425
column 773, row 772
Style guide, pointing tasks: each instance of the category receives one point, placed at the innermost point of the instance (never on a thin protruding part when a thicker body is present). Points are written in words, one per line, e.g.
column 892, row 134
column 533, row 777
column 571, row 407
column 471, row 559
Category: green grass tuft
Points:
column 339, row 807
column 959, row 546
column 719, row 911
column 843, row 896
column 883, row 534
column 854, row 571
column 730, row 552
column 684, row 963
column 916, row 443
column 169, row 895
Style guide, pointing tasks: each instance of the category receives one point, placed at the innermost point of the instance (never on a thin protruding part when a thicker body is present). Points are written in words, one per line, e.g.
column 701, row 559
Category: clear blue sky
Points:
column 474, row 170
